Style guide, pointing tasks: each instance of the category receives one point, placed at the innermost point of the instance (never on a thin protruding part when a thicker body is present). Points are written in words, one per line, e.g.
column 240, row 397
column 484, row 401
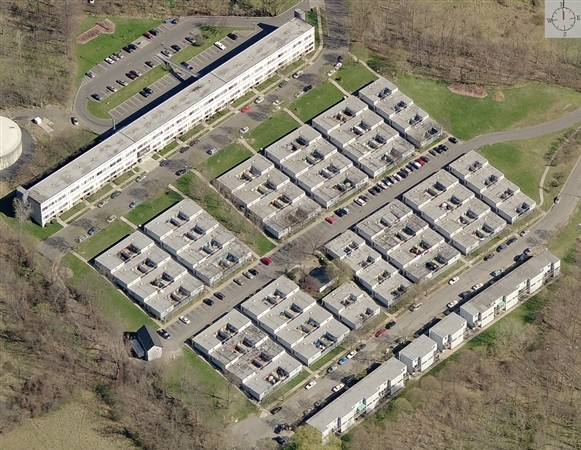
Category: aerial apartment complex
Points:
column 151, row 132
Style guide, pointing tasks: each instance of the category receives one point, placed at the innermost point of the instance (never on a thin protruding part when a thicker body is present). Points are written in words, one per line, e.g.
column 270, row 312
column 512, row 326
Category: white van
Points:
column 220, row 45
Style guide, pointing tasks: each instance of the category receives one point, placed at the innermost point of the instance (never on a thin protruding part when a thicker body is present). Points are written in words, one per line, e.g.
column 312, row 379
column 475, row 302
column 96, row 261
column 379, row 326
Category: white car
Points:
column 244, row 130
column 220, row 45
column 338, row 65
column 476, row 286
column 524, row 233
column 360, row 201
column 259, row 99
column 277, row 102
column 297, row 74
column 310, row 385
column 351, row 354
column 103, row 203
column 451, row 304
column 111, row 218
column 338, row 387
column 331, row 72
column 453, row 280
column 140, row 178
column 109, row 61
column 185, row 320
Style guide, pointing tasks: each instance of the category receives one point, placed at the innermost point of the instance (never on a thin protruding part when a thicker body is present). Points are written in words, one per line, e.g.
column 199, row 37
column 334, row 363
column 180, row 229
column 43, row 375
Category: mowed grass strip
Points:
column 103, row 239
column 353, row 76
column 73, row 211
column 316, row 101
column 147, row 210
column 112, row 303
column 100, row 193
column 467, row 117
column 224, row 160
column 271, row 130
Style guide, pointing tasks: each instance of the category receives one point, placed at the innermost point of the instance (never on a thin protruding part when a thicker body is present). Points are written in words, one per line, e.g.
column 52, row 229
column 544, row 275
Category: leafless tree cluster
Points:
column 466, row 42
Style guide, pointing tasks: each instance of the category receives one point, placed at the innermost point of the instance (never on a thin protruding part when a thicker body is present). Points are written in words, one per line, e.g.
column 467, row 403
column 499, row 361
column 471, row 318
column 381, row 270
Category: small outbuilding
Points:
column 149, row 342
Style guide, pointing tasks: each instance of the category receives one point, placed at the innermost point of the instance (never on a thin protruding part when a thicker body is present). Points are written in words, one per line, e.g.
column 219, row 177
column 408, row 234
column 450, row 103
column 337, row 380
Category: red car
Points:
column 245, row 109
column 131, row 76
column 330, row 220
column 266, row 261
column 148, row 35
column 380, row 333
column 420, row 162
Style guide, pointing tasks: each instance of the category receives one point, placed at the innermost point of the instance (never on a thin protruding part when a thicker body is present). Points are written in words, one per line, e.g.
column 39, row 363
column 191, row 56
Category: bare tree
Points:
column 22, row 211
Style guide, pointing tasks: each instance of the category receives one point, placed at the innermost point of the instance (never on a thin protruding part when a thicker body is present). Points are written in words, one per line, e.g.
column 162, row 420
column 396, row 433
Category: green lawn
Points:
column 224, row 160
column 28, row 227
column 153, row 207
column 74, row 210
column 316, row 101
column 271, row 130
column 96, row 50
column 103, row 239
column 187, row 136
column 280, row 393
column 100, row 193
column 522, row 162
column 328, row 357
column 196, row 383
column 123, row 178
column 217, row 116
column 243, row 99
column 113, row 304
column 563, row 244
column 291, row 68
column 168, row 148
column 467, row 117
column 272, row 80
column 353, row 76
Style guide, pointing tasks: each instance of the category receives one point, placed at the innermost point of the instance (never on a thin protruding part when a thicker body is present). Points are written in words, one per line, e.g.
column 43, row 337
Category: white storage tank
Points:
column 10, row 142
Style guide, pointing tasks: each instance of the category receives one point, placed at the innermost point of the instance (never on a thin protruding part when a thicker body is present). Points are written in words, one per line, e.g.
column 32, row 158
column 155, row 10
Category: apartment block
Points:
column 268, row 196
column 316, row 166
column 152, row 131
column 449, row 332
column 351, row 305
column 420, row 355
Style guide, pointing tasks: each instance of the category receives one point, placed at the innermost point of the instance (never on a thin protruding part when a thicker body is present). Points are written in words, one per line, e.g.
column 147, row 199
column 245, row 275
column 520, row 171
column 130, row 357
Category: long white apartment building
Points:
column 148, row 275
column 490, row 185
column 382, row 280
column 316, row 166
column 246, row 353
column 342, row 413
column 363, row 136
column 351, row 305
column 407, row 241
column 198, row 242
column 449, row 332
column 420, row 355
column 503, row 295
column 267, row 196
column 151, row 132
column 454, row 211
column 399, row 111
column 294, row 320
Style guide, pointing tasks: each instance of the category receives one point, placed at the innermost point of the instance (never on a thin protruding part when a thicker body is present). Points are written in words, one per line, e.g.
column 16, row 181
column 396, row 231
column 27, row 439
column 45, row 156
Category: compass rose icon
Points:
column 563, row 18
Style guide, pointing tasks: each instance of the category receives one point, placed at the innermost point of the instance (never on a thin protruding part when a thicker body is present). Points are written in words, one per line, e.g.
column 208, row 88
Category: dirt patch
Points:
column 66, row 273
column 103, row 27
column 471, row 90
column 498, row 96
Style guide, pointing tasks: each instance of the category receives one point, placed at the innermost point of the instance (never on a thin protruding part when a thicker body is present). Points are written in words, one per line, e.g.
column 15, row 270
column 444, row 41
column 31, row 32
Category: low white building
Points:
column 342, row 413
column 316, row 166
column 148, row 343
column 246, row 353
column 490, row 185
column 198, row 241
column 454, row 211
column 351, row 305
column 294, row 320
column 268, row 196
column 420, row 355
column 503, row 295
column 449, row 332
column 148, row 275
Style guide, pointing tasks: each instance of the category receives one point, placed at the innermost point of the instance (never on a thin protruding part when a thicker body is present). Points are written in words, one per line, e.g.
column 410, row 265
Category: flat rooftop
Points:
column 390, row 216
column 335, row 116
column 221, row 331
column 409, row 117
column 393, row 103
column 419, row 348
column 351, row 302
column 159, row 279
column 132, row 247
column 449, row 325
column 345, row 244
column 376, row 92
column 362, row 128
column 270, row 296
column 297, row 142
column 179, row 219
column 431, row 188
column 273, row 373
column 148, row 124
column 176, row 293
column 384, row 280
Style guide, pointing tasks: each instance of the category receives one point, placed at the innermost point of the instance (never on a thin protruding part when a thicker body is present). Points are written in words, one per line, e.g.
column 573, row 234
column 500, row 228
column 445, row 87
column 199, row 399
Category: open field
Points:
column 80, row 424
column 271, row 130
column 353, row 76
column 147, row 210
column 316, row 101
column 564, row 243
column 112, row 303
column 103, row 239
column 466, row 117
column 227, row 158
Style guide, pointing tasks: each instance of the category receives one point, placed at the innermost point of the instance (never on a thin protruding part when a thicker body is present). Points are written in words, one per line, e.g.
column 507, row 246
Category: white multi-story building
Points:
column 351, row 305
column 294, row 320
column 449, row 332
column 316, row 166
column 419, row 355
column 408, row 242
column 267, row 196
column 490, row 185
column 154, row 130
column 245, row 352
column 198, row 241
column 148, row 274
column 454, row 211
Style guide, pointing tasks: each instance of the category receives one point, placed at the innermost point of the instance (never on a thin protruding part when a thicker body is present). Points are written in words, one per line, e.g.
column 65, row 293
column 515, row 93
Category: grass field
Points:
column 467, row 117
column 114, row 305
column 103, row 239
column 187, row 136
column 353, row 76
column 150, row 208
column 271, row 130
column 100, row 193
column 28, row 227
column 224, row 160
column 168, row 148
column 96, row 50
column 123, row 178
column 316, row 101
column 196, row 383
column 563, row 244
column 74, row 210
column 243, row 99
column 523, row 162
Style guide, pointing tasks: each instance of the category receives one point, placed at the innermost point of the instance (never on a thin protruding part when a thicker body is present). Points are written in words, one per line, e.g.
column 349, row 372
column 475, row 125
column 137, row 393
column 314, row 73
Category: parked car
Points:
column 297, row 74
column 496, row 273
column 425, row 159
column 148, row 90
column 453, row 280
column 248, row 275
column 310, row 385
column 451, row 304
column 331, row 369
column 351, row 354
column 175, row 48
column 122, row 82
column 90, row 74
column 74, row 121
column 165, row 52
column 276, row 410
column 154, row 31
column 150, row 64
column 433, row 152
column 443, row 147
column 112, row 88
column 453, row 140
column 164, row 163
column 219, row 295
column 266, row 260
column 380, row 333
column 511, row 241
column 246, row 109
column 527, row 251
column 97, row 97
column 489, row 257
column 501, row 248
column 140, row 178
column 282, row 84
column 103, row 203
column 180, row 172
column 190, row 39
column 144, row 94
column 415, row 306
column 212, row 151
column 524, row 233
column 238, row 281
column 134, row 204
column 185, row 320
column 465, row 294
column 330, row 220
column 186, row 65
column 184, row 149
column 338, row 387
column 115, row 194
column 111, row 218
column 360, row 347
column 208, row 301
column 244, row 130
column 148, row 35
column 253, row 271
column 280, row 440
column 119, row 55
column 81, row 239
column 259, row 99
column 164, row 334
column 477, row 286
column 307, row 88
column 343, row 361
column 220, row 45
column 389, row 325
column 137, row 73
column 360, row 201
column 556, row 200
